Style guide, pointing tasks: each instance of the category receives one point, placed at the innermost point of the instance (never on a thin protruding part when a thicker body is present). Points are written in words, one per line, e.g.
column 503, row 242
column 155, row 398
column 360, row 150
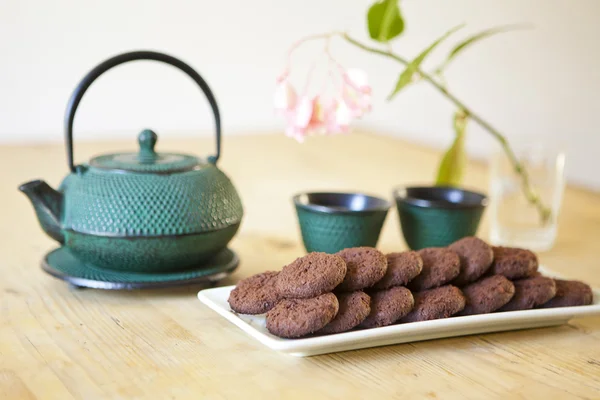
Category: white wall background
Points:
column 543, row 82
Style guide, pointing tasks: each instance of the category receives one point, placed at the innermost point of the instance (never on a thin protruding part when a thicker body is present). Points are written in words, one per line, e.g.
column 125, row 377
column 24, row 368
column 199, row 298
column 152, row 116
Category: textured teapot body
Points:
column 148, row 222
column 109, row 203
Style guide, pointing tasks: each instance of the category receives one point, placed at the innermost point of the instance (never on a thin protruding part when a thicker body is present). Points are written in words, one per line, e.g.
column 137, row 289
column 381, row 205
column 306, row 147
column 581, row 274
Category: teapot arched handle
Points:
column 123, row 58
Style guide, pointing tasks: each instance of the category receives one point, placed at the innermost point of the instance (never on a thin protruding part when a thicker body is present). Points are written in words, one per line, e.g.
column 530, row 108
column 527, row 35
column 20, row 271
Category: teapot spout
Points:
column 47, row 203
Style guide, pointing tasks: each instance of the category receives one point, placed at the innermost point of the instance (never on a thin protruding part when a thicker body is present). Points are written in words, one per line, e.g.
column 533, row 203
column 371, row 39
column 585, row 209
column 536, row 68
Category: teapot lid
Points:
column 146, row 160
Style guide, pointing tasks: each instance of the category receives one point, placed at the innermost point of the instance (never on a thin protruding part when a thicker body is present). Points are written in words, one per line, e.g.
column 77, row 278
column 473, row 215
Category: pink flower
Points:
column 338, row 118
column 356, row 92
column 285, row 98
column 358, row 79
column 322, row 114
column 306, row 118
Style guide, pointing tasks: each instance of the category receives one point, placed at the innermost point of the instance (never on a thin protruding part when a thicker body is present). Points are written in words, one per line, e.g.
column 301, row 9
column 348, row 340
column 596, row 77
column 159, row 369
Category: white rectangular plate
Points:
column 254, row 325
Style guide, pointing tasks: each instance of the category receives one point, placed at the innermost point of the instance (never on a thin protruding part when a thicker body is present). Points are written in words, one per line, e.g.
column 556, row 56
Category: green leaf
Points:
column 384, row 20
column 407, row 75
column 476, row 38
column 453, row 163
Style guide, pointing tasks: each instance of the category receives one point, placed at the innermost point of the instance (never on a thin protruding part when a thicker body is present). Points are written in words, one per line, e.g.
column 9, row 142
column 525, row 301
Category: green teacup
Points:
column 438, row 216
column 330, row 222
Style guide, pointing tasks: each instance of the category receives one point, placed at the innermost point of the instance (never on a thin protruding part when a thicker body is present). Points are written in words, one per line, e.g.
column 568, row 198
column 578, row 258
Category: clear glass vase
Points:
column 515, row 221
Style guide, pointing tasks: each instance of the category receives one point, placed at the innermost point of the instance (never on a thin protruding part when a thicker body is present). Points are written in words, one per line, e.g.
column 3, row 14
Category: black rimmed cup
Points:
column 435, row 216
column 330, row 222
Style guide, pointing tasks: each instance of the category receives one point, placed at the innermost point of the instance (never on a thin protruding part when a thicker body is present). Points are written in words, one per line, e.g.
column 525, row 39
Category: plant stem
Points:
column 518, row 167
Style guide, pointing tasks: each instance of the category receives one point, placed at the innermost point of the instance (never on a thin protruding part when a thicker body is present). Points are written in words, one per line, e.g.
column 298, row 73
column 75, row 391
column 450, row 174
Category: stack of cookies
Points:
column 363, row 288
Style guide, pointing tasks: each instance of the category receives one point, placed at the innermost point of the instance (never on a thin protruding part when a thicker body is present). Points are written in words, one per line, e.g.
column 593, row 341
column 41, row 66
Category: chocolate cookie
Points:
column 387, row 306
column 513, row 263
column 570, row 293
column 476, row 257
column 354, row 308
column 255, row 295
column 442, row 302
column 440, row 266
column 311, row 276
column 292, row 318
column 401, row 269
column 487, row 295
column 530, row 293
column 365, row 266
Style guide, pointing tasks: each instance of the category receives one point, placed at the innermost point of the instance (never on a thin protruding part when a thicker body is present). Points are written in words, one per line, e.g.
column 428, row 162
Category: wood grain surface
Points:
column 57, row 342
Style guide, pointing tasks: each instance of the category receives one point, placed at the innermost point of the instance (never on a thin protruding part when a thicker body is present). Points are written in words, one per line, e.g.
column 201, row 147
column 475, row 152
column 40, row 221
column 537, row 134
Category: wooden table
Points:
column 60, row 343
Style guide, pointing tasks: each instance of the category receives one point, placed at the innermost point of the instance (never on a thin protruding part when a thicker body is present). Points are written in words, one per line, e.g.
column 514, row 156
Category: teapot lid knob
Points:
column 147, row 140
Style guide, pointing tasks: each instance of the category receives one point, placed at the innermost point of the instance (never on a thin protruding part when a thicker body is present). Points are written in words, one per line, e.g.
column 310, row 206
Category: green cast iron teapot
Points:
column 143, row 211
